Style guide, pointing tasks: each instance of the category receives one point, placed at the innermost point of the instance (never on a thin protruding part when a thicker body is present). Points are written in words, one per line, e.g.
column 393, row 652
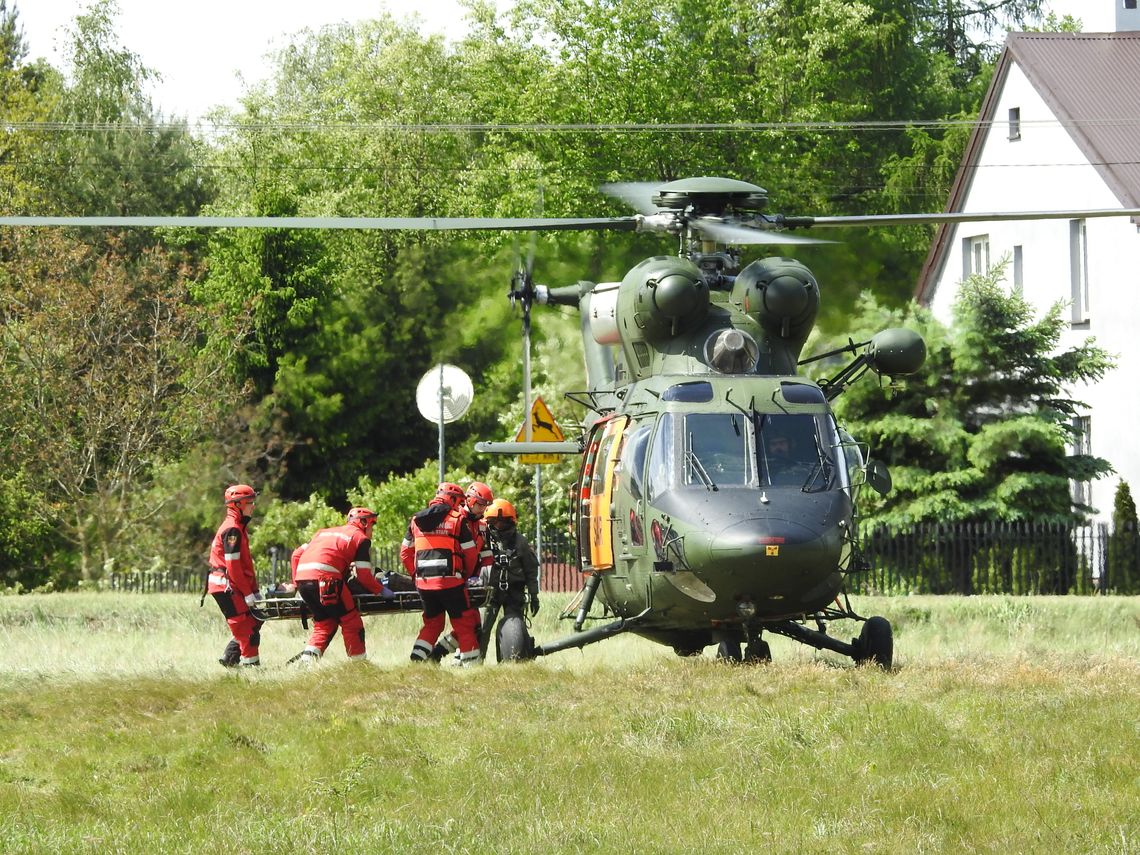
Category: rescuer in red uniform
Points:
column 323, row 570
column 439, row 552
column 232, row 581
column 475, row 504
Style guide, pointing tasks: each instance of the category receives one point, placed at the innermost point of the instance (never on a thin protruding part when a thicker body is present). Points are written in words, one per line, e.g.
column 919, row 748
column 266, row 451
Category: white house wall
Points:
column 1045, row 170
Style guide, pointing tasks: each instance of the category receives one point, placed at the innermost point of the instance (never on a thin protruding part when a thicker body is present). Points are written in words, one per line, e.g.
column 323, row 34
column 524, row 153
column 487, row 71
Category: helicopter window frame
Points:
column 634, row 455
column 810, row 465
column 725, row 464
column 694, row 392
column 801, row 393
column 661, row 462
column 855, row 457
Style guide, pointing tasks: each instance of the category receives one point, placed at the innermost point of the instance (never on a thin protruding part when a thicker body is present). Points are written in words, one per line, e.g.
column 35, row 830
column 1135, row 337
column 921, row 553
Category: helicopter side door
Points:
column 596, row 481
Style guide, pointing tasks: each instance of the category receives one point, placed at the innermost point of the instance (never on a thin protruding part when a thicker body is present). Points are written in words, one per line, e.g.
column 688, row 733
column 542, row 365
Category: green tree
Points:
column 27, row 93
column 982, row 433
column 377, row 119
column 100, row 381
column 106, row 150
column 1122, row 563
column 29, row 543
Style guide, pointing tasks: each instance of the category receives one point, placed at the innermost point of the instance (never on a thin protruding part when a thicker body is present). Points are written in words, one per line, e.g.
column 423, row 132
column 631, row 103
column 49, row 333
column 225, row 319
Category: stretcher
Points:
column 289, row 606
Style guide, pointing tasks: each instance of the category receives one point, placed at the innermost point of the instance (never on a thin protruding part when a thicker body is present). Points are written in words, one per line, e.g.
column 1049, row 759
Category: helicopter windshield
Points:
column 797, row 450
column 714, row 451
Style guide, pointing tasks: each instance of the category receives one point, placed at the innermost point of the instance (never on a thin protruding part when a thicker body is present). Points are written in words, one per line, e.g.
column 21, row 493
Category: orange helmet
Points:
column 477, row 491
column 451, row 493
column 361, row 517
column 239, row 493
column 501, row 509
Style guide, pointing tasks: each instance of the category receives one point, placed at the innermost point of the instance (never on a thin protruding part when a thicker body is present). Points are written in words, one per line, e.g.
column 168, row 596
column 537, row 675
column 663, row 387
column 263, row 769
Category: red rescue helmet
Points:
column 479, row 492
column 362, row 518
column 501, row 509
column 239, row 493
column 451, row 493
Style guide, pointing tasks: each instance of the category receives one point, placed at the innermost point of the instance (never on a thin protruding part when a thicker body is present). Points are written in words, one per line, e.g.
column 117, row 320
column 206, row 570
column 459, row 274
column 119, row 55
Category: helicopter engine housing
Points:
column 659, row 300
column 782, row 296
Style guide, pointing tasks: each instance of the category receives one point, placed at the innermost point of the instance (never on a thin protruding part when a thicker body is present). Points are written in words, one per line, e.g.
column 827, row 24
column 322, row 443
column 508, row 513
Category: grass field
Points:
column 1010, row 724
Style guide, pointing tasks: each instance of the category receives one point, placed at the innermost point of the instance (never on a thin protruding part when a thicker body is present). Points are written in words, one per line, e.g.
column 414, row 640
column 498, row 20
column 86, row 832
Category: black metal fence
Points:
column 975, row 558
column 998, row 558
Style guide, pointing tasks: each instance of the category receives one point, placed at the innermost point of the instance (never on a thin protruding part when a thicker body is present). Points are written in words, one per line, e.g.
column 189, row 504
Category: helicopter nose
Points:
column 780, row 563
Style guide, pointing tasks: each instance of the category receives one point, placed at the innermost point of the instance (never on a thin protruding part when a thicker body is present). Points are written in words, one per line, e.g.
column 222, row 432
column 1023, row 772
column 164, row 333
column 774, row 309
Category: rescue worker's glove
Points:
column 250, row 599
column 533, row 605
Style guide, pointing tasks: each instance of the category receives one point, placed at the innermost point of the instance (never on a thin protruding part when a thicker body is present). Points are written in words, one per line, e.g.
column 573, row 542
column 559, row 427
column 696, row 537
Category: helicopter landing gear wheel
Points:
column 512, row 643
column 758, row 651
column 875, row 643
column 728, row 651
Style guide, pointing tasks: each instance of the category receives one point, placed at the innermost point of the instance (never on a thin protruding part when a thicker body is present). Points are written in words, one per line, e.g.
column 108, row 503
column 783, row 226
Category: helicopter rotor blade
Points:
column 637, row 194
column 622, row 224
column 734, row 234
column 952, row 217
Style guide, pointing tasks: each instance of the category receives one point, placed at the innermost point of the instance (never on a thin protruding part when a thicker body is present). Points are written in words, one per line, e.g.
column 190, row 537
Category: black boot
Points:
column 231, row 655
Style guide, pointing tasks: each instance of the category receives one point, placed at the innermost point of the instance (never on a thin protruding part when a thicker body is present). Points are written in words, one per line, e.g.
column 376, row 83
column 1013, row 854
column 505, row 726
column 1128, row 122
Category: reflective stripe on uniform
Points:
column 433, row 562
column 317, row 565
column 232, row 556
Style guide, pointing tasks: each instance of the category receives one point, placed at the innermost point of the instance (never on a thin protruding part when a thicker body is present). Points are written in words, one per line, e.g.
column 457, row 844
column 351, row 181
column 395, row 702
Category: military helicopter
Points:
column 717, row 494
column 716, row 498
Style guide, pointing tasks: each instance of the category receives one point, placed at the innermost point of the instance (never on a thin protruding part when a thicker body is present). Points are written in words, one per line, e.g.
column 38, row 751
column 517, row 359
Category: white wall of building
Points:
column 1045, row 170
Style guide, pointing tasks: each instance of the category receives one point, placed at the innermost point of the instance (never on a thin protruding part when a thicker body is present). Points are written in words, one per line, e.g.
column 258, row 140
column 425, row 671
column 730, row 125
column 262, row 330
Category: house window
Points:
column 1079, row 269
column 1018, row 271
column 975, row 255
column 1015, row 123
column 1082, row 445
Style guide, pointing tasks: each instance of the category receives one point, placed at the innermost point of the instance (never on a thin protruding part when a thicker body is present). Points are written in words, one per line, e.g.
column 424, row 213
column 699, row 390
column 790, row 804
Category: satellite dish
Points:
column 447, row 389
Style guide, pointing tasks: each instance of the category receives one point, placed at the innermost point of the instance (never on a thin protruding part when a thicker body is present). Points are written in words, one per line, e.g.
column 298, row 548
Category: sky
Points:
column 176, row 39
column 205, row 48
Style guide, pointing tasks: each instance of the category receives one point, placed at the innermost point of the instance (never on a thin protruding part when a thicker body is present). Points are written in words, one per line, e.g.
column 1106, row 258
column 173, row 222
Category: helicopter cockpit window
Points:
column 716, row 452
column 854, row 458
column 797, row 450
column 690, row 393
column 801, row 393
column 633, row 458
column 661, row 461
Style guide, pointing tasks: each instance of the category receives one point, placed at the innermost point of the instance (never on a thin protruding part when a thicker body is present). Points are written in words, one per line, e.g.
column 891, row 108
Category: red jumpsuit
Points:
column 232, row 579
column 486, row 560
column 439, row 552
column 322, row 571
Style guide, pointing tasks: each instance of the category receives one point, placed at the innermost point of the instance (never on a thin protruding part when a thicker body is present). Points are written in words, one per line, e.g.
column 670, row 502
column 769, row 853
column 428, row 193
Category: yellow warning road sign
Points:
column 543, row 428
